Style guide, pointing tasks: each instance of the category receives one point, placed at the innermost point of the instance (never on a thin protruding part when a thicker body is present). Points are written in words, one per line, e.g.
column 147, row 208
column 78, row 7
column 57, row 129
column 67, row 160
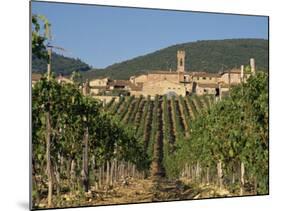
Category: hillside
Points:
column 60, row 64
column 207, row 56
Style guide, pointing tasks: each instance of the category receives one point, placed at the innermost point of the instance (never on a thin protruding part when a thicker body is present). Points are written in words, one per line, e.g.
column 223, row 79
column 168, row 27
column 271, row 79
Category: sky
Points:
column 102, row 36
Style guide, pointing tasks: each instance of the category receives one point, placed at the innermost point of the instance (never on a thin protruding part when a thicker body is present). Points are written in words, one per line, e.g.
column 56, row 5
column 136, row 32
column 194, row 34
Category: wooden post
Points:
column 68, row 171
column 49, row 63
column 208, row 175
column 107, row 173
column 197, row 172
column 48, row 156
column 134, row 170
column 111, row 172
column 85, row 165
column 72, row 173
column 116, row 171
column 100, row 177
column 219, row 170
column 102, row 174
column 242, row 182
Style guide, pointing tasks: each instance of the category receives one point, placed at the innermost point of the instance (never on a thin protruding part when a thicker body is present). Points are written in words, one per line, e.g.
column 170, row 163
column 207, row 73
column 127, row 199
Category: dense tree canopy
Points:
column 60, row 64
column 210, row 56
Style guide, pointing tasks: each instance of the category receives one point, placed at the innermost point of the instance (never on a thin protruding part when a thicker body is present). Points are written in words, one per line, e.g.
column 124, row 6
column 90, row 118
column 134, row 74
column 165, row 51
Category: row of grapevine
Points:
column 78, row 144
column 157, row 168
column 228, row 144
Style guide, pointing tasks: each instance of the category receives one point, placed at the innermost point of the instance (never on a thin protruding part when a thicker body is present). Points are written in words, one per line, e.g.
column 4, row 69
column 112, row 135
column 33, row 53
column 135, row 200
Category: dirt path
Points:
column 144, row 191
column 140, row 190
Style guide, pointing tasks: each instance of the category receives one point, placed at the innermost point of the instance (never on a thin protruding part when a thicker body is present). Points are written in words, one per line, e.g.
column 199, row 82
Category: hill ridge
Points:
column 201, row 55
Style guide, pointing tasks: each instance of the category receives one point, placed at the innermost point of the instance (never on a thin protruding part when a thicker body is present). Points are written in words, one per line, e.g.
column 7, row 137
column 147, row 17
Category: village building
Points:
column 169, row 82
column 181, row 82
column 178, row 82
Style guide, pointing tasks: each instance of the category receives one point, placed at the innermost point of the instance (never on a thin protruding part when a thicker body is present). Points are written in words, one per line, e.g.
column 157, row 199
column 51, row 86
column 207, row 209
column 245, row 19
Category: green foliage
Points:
column 210, row 56
column 234, row 130
column 76, row 77
column 39, row 38
column 71, row 113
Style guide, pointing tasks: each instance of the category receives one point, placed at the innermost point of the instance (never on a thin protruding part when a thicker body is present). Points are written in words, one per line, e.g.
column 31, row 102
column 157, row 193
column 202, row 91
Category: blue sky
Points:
column 101, row 36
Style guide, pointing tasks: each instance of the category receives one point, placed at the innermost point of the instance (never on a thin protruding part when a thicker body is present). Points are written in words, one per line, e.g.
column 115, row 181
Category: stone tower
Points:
column 181, row 61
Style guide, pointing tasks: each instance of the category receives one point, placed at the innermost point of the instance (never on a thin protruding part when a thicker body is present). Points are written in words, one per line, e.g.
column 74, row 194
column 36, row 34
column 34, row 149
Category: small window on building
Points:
column 204, row 78
column 197, row 77
column 210, row 78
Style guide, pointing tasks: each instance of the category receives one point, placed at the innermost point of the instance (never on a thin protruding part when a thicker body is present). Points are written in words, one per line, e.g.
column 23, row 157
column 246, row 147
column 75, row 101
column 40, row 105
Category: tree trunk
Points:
column 48, row 157
column 242, row 181
column 85, row 164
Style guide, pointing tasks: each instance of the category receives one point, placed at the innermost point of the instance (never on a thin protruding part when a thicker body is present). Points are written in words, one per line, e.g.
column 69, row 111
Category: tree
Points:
column 39, row 38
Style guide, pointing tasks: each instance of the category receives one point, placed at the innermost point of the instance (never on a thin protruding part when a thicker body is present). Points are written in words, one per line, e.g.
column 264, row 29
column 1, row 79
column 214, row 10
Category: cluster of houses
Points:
column 177, row 82
column 171, row 82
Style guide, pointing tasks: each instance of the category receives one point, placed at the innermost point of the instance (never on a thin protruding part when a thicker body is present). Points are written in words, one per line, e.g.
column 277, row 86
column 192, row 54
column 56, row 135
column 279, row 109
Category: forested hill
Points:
column 208, row 56
column 60, row 64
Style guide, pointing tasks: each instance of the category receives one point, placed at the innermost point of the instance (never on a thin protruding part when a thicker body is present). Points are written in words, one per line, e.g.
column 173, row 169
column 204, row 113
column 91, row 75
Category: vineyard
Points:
column 83, row 150
column 144, row 149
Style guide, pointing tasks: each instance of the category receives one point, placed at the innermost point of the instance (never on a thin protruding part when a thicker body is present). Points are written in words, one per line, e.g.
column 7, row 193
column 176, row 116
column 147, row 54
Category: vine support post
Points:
column 107, row 173
column 48, row 157
column 85, row 167
column 220, row 175
column 49, row 63
column 208, row 175
column 242, row 181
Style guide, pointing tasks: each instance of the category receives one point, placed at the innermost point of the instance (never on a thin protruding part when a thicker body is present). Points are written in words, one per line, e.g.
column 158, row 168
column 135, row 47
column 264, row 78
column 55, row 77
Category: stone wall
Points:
column 234, row 78
column 174, row 77
column 205, row 80
column 162, row 87
column 99, row 82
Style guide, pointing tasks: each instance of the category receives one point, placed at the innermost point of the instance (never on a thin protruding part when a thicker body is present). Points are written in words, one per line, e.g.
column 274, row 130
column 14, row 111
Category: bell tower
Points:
column 181, row 61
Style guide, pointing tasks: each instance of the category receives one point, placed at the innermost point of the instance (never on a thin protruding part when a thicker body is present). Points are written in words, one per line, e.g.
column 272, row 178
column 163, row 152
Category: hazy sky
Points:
column 101, row 36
